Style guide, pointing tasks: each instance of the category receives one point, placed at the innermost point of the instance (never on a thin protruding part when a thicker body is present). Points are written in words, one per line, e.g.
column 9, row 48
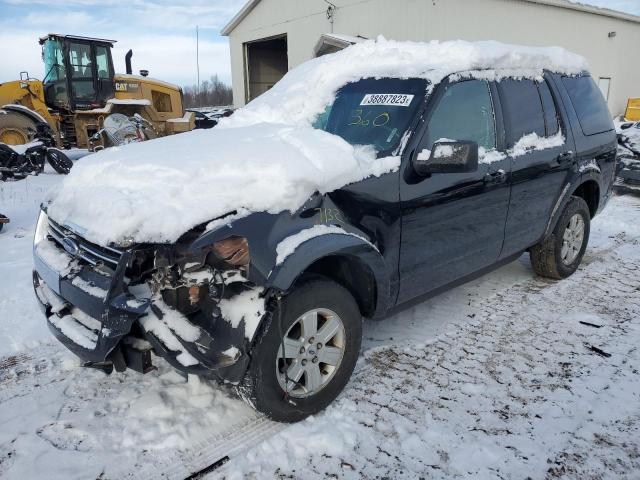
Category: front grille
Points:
column 90, row 252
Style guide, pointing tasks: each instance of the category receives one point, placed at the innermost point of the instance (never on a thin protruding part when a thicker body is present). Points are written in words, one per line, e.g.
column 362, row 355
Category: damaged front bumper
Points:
column 92, row 309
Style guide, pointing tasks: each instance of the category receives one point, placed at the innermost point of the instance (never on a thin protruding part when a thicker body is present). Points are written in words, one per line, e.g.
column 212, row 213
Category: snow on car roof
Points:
column 304, row 91
column 266, row 157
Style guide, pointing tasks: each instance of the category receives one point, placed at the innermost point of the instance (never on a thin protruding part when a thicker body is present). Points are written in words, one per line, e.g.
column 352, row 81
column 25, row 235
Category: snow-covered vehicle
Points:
column 363, row 181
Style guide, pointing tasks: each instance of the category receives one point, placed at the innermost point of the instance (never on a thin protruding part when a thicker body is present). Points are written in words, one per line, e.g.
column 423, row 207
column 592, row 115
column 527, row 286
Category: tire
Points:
column 264, row 388
column 547, row 256
column 59, row 161
column 15, row 128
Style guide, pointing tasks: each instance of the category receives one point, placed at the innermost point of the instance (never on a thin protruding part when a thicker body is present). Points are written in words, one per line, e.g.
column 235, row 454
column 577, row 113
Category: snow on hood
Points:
column 266, row 157
column 157, row 190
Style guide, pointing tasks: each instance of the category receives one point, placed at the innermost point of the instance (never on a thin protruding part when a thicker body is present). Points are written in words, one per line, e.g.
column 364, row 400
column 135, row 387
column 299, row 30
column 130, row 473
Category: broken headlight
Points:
column 234, row 251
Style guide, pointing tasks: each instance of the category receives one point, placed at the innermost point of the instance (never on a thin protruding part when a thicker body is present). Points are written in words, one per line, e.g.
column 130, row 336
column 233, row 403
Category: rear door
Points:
column 541, row 153
column 453, row 223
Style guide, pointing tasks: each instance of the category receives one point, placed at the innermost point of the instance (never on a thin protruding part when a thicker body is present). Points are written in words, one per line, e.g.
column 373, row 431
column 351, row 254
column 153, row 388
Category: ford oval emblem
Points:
column 70, row 246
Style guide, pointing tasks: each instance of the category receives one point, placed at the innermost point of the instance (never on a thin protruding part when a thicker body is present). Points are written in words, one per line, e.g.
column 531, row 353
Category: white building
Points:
column 268, row 37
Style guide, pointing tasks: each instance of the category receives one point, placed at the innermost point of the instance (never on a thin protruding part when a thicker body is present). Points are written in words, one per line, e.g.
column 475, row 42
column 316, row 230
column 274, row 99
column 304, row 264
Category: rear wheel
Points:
column 59, row 161
column 560, row 254
column 15, row 128
column 306, row 355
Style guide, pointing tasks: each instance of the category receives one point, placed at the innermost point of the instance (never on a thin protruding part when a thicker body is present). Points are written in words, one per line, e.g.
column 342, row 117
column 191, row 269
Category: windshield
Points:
column 53, row 61
column 373, row 112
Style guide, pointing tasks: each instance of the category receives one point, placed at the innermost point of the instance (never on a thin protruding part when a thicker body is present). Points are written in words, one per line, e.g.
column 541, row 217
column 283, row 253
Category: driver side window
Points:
column 464, row 112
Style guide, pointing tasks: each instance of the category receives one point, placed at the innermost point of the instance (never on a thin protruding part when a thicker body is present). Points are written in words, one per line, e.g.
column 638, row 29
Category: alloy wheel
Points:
column 310, row 353
column 572, row 239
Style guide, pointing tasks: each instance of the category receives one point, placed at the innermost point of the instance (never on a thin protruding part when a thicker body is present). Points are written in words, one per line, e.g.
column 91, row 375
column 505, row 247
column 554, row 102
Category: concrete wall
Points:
column 514, row 21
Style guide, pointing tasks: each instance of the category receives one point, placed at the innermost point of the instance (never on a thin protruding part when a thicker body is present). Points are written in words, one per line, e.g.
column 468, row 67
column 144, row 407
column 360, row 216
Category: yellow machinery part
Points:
column 157, row 101
column 164, row 99
column 29, row 94
column 633, row 110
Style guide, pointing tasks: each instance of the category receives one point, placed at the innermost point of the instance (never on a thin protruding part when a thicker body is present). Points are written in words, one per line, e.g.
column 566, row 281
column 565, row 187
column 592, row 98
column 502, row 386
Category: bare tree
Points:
column 212, row 93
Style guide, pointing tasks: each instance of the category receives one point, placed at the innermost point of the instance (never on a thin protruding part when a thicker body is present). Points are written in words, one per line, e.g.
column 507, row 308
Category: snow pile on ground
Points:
column 266, row 157
column 304, row 91
column 22, row 324
column 155, row 191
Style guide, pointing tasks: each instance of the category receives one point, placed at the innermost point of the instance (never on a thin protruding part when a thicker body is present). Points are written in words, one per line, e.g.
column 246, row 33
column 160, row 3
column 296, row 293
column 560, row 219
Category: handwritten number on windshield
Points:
column 359, row 120
column 381, row 119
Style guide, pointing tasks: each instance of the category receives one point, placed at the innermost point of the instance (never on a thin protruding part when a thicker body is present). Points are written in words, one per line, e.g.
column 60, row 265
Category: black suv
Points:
column 489, row 170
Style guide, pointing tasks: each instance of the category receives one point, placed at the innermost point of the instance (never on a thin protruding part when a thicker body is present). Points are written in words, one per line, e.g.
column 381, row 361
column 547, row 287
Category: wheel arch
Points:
column 27, row 112
column 586, row 188
column 351, row 273
column 589, row 191
column 345, row 259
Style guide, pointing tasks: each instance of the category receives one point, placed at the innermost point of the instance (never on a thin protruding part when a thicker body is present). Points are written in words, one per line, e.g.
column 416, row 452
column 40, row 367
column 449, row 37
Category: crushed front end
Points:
column 112, row 307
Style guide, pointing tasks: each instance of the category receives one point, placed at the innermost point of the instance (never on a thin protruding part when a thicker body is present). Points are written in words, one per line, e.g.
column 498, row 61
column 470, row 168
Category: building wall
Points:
column 513, row 21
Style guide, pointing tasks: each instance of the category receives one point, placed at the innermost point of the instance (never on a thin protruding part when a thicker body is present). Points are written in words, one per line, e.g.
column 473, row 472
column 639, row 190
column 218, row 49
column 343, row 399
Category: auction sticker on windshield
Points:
column 390, row 99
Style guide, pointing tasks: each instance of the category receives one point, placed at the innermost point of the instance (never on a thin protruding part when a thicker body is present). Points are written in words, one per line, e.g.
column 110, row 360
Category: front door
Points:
column 453, row 223
column 81, row 73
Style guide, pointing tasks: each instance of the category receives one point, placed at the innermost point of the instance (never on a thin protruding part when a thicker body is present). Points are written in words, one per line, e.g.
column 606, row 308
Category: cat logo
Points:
column 127, row 86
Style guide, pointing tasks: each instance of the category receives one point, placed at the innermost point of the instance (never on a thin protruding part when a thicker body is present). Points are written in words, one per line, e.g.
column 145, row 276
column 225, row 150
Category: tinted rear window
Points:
column 522, row 109
column 592, row 111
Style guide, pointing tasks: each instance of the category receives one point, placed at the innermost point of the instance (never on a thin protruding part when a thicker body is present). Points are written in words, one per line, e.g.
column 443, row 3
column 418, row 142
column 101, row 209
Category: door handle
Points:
column 499, row 176
column 564, row 158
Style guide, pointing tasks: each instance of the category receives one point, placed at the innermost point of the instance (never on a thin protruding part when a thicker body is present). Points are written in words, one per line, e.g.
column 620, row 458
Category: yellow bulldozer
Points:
column 80, row 95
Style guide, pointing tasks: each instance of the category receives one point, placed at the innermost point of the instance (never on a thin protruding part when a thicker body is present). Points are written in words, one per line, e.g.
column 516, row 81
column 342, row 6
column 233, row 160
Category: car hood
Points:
column 155, row 191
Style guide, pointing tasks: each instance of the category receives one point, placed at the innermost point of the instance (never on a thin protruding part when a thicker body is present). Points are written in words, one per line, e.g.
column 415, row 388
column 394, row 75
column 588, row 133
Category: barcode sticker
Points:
column 389, row 99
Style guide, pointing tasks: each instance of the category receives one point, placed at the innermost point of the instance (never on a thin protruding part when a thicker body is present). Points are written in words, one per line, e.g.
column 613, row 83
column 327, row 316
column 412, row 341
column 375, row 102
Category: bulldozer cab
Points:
column 78, row 72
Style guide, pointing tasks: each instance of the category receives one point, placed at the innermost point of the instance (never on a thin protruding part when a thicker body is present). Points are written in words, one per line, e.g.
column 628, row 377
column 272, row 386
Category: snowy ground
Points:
column 505, row 377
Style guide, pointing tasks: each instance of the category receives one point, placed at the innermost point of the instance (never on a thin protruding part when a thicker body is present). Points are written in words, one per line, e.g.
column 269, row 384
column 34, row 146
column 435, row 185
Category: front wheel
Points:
column 306, row 354
column 559, row 255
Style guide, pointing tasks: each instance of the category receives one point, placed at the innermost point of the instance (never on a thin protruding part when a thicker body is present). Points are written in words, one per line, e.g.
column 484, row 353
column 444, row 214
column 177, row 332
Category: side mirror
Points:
column 459, row 156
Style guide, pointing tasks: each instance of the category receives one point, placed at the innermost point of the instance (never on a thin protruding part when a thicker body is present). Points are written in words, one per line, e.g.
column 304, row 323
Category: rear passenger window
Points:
column 549, row 108
column 593, row 113
column 522, row 109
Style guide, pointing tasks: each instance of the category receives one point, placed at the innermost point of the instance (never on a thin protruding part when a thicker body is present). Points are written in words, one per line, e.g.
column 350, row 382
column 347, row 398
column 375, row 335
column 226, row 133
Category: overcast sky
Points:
column 160, row 32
